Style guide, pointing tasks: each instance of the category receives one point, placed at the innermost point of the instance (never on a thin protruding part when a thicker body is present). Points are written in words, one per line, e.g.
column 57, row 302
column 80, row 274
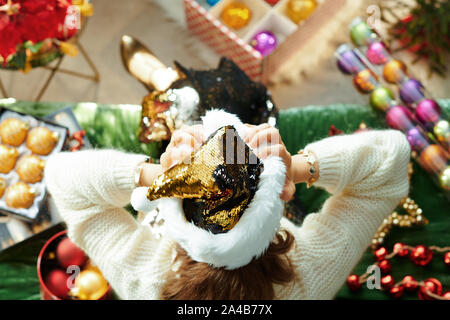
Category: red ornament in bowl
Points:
column 68, row 254
column 56, row 282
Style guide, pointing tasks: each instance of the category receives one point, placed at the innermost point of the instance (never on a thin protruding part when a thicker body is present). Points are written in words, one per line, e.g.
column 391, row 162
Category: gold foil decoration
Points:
column 13, row 131
column 41, row 140
column 8, row 158
column 20, row 195
column 217, row 183
column 30, row 168
column 2, row 187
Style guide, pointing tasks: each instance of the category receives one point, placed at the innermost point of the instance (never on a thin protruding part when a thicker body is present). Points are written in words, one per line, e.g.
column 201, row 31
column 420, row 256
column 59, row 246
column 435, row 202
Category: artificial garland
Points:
column 421, row 255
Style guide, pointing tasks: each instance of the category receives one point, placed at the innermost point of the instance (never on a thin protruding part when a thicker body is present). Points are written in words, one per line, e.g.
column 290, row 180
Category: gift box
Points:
column 292, row 39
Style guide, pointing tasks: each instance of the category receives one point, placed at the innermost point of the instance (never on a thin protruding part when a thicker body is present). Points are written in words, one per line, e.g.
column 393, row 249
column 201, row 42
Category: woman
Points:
column 366, row 173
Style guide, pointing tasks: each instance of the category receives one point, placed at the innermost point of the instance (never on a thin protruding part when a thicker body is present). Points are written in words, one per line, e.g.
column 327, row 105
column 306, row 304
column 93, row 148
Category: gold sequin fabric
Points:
column 217, row 183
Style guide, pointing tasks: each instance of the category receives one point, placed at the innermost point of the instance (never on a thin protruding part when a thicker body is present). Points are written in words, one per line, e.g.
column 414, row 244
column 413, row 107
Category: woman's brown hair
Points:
column 201, row 281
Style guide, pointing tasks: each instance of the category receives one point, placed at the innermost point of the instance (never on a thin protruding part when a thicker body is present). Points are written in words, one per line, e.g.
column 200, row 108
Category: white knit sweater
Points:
column 366, row 173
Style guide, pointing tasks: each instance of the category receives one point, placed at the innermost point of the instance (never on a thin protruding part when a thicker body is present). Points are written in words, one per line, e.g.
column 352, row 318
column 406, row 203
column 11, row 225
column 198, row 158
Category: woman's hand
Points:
column 266, row 141
column 183, row 142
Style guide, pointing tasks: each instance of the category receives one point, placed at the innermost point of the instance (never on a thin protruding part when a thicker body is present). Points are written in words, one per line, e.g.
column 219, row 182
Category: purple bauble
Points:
column 377, row 53
column 411, row 91
column 416, row 139
column 264, row 42
column 428, row 112
column 400, row 118
column 347, row 62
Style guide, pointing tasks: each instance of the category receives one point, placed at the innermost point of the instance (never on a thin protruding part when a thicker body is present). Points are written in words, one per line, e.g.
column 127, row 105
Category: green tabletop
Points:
column 115, row 126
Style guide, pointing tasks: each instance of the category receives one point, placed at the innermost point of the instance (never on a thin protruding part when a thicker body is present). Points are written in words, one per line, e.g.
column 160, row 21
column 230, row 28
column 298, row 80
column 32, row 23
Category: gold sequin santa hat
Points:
column 233, row 224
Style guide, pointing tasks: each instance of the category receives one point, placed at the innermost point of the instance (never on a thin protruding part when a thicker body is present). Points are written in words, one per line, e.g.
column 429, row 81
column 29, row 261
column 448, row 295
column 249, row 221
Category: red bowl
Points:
column 44, row 266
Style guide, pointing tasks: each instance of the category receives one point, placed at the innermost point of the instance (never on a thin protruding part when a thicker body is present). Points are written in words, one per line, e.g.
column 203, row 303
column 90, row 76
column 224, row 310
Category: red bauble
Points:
column 387, row 282
column 447, row 259
column 381, row 253
column 432, row 285
column 400, row 249
column 68, row 254
column 353, row 282
column 396, row 291
column 56, row 283
column 446, row 295
column 409, row 283
column 385, row 266
column 421, row 255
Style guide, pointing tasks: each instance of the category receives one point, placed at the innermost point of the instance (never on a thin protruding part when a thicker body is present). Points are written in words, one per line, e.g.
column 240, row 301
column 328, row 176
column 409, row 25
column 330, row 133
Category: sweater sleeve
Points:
column 367, row 175
column 90, row 189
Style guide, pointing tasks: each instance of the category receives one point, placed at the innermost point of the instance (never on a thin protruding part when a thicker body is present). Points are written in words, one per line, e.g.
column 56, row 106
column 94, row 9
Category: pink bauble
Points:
column 400, row 118
column 68, row 254
column 377, row 53
column 428, row 112
column 56, row 283
column 264, row 42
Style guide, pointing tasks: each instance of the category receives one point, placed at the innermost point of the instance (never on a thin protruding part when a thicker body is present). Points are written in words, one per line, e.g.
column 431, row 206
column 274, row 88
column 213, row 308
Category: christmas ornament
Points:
column 382, row 98
column 400, row 118
column 444, row 178
column 394, row 71
column 13, row 131
column 409, row 283
column 348, row 62
column 421, row 255
column 377, row 53
column 8, row 158
column 264, row 42
column 446, row 296
column 433, row 158
column 272, row 2
column 215, row 193
column 299, row 10
column 447, row 259
column 411, row 91
column 396, row 291
column 89, row 285
column 212, row 2
column 385, row 266
column 68, row 254
column 360, row 33
column 442, row 131
column 20, row 195
column 428, row 112
column 2, row 187
column 353, row 282
column 416, row 139
column 56, row 282
column 430, row 288
column 41, row 140
column 30, row 169
column 387, row 282
column 365, row 81
column 236, row 15
column 400, row 250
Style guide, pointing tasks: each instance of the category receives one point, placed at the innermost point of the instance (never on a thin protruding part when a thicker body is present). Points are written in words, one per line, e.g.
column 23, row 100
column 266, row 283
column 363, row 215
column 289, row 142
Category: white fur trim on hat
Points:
column 254, row 231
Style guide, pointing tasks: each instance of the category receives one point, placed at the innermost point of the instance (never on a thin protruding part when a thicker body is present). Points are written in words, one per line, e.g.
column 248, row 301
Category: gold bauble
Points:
column 8, row 158
column 394, row 71
column 2, row 187
column 299, row 10
column 364, row 81
column 30, row 168
column 236, row 15
column 433, row 158
column 20, row 195
column 41, row 140
column 13, row 131
column 90, row 285
column 444, row 178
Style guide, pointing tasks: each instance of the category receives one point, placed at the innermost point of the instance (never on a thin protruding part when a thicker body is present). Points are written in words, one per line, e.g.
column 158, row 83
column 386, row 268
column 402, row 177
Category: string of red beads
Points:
column 429, row 289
